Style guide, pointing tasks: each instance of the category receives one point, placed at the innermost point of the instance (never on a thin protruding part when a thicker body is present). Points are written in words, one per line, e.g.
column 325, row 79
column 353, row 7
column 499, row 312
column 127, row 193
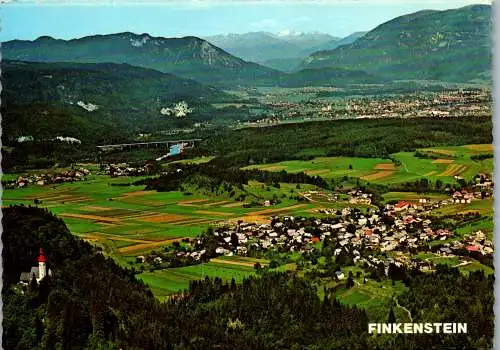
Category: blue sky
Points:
column 66, row 20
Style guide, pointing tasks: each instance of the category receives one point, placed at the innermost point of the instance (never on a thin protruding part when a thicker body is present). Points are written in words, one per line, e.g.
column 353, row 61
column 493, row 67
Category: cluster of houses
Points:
column 477, row 243
column 399, row 228
column 462, row 197
column 279, row 235
column 124, row 169
column 454, row 103
column 359, row 197
column 264, row 122
column 48, row 179
column 483, row 182
column 447, row 104
column 188, row 256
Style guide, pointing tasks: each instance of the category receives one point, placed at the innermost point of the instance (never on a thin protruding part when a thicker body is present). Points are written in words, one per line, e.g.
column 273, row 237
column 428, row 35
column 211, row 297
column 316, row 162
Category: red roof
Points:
column 368, row 232
column 315, row 239
column 41, row 257
column 402, row 204
column 409, row 220
column 473, row 248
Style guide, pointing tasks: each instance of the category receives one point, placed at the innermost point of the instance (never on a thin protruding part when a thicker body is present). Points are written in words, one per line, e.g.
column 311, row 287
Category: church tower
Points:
column 41, row 265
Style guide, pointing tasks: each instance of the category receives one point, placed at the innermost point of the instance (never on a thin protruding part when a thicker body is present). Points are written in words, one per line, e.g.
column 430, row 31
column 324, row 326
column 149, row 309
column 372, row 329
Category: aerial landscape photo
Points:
column 247, row 175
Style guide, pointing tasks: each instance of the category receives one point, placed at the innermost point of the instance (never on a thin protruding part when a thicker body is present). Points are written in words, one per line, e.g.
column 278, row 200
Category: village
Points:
column 391, row 235
column 43, row 179
column 455, row 103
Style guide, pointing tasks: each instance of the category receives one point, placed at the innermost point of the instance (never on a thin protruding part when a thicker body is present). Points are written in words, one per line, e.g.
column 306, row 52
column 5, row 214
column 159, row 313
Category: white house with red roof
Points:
column 401, row 205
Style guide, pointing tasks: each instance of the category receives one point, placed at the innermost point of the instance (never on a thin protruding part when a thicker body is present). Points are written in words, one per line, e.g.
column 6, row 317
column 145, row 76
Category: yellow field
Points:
column 454, row 169
column 192, row 202
column 317, row 172
column 100, row 235
column 165, row 218
column 232, row 205
column 279, row 210
column 442, row 161
column 385, row 166
column 147, row 246
column 90, row 217
column 94, row 208
column 233, row 262
column 446, row 152
column 216, row 203
column 378, row 175
column 480, row 148
column 274, row 167
column 258, row 219
column 217, row 213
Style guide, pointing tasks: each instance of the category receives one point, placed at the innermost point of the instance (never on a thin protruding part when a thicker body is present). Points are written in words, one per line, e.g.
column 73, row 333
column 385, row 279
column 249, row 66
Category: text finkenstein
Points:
column 417, row 328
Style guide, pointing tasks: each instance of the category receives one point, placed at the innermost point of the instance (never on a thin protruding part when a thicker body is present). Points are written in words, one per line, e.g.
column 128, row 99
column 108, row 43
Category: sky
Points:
column 28, row 20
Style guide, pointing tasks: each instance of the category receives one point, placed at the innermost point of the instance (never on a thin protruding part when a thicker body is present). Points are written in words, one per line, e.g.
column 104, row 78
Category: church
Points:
column 39, row 271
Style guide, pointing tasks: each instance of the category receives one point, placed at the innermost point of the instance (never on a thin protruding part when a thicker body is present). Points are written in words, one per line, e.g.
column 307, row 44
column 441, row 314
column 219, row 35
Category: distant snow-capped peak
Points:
column 288, row 32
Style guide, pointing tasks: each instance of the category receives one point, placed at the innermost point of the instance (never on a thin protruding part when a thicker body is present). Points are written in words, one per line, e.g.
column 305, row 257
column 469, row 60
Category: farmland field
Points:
column 169, row 281
column 126, row 220
column 411, row 168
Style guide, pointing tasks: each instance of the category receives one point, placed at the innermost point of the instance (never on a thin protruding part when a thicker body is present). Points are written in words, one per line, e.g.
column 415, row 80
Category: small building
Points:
column 339, row 275
column 473, row 248
column 39, row 272
column 402, row 205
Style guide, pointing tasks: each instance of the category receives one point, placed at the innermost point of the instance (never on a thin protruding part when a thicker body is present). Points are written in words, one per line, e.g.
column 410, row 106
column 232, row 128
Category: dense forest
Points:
column 211, row 177
column 90, row 302
column 356, row 138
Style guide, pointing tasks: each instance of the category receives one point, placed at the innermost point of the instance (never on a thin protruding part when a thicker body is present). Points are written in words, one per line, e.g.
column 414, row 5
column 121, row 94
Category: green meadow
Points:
column 373, row 296
column 171, row 281
column 447, row 162
column 124, row 220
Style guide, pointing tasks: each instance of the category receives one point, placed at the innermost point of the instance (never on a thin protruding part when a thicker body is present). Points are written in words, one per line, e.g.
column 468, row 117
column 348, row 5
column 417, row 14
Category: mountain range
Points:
column 103, row 86
column 188, row 57
column 282, row 51
column 451, row 45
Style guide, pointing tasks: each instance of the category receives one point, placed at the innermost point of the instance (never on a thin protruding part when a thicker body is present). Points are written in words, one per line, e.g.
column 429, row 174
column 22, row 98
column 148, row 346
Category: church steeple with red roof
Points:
column 41, row 257
column 41, row 264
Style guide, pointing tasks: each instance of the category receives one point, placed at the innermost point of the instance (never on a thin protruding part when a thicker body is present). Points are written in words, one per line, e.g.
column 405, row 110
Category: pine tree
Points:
column 392, row 317
column 33, row 284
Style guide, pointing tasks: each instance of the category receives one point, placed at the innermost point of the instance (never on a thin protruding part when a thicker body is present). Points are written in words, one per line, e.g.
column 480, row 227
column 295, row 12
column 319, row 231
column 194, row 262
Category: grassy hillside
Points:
column 458, row 161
